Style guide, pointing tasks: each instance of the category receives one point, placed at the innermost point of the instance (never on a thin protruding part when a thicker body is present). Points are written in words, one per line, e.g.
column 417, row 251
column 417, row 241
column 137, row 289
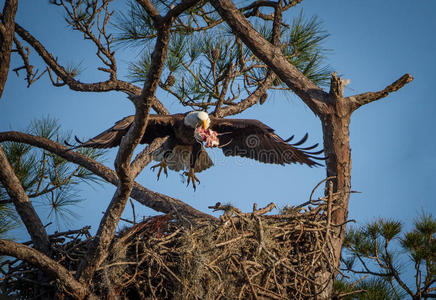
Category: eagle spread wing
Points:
column 178, row 157
column 255, row 140
column 158, row 126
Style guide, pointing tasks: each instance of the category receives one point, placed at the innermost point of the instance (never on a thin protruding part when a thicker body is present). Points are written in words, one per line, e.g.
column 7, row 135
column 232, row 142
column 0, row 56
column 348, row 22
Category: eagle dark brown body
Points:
column 237, row 137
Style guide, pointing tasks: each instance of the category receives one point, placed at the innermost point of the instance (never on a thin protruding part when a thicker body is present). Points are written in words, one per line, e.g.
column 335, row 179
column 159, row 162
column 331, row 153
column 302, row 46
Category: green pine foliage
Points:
column 389, row 258
column 203, row 53
column 367, row 289
column 50, row 181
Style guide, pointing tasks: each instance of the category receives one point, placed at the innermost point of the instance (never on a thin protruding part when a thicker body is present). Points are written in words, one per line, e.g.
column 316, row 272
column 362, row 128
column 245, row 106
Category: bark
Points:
column 365, row 98
column 66, row 280
column 7, row 27
column 23, row 205
column 145, row 156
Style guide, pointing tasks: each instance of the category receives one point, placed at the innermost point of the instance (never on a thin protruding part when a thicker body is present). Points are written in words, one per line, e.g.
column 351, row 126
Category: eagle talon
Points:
column 191, row 177
column 162, row 166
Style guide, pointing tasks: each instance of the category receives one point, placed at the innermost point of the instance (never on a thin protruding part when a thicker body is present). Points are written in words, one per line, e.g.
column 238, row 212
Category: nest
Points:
column 244, row 256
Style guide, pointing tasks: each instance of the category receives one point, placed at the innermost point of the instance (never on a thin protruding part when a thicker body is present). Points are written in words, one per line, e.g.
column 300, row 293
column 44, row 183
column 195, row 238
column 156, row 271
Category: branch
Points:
column 254, row 9
column 179, row 9
column 260, row 92
column 151, row 10
column 6, row 36
column 394, row 271
column 23, row 205
column 278, row 14
column 365, row 98
column 30, row 75
column 145, row 156
column 34, row 257
column 309, row 92
column 250, row 100
column 156, row 201
column 226, row 82
column 103, row 86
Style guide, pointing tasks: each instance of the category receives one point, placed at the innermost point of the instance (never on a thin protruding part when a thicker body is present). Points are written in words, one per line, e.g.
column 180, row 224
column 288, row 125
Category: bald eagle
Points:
column 186, row 133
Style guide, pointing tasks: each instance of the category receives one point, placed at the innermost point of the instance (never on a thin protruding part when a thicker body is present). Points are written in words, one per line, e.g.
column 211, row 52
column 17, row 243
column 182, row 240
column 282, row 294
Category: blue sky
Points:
column 373, row 43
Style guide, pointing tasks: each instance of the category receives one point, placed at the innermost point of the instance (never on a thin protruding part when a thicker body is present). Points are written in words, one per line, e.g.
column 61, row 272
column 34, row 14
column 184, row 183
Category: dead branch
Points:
column 365, row 98
column 111, row 84
column 31, row 76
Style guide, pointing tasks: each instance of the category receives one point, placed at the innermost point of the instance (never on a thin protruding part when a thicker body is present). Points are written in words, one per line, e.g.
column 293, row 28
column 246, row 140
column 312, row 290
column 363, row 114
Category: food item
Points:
column 208, row 136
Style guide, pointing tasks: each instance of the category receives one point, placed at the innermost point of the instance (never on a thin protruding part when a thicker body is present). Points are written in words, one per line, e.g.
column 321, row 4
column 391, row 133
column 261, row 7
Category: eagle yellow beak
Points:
column 204, row 124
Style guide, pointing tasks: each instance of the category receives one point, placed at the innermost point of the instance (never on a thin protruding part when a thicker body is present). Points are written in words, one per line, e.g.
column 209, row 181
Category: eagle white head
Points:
column 196, row 119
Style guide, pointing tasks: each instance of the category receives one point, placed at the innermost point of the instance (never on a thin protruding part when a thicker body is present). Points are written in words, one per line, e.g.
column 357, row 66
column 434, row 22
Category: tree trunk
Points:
column 334, row 112
column 6, row 36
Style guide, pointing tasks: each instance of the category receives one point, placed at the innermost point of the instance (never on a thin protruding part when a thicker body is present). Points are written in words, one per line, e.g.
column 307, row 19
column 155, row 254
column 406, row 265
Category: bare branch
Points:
column 365, row 98
column 31, row 76
column 250, row 100
column 66, row 279
column 23, row 205
column 68, row 79
column 278, row 14
column 226, row 82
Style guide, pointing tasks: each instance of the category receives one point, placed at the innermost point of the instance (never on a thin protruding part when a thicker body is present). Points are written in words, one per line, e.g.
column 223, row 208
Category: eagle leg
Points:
column 162, row 166
column 191, row 177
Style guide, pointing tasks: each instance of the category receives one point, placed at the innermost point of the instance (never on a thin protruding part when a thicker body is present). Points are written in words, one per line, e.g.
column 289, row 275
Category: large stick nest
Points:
column 245, row 255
